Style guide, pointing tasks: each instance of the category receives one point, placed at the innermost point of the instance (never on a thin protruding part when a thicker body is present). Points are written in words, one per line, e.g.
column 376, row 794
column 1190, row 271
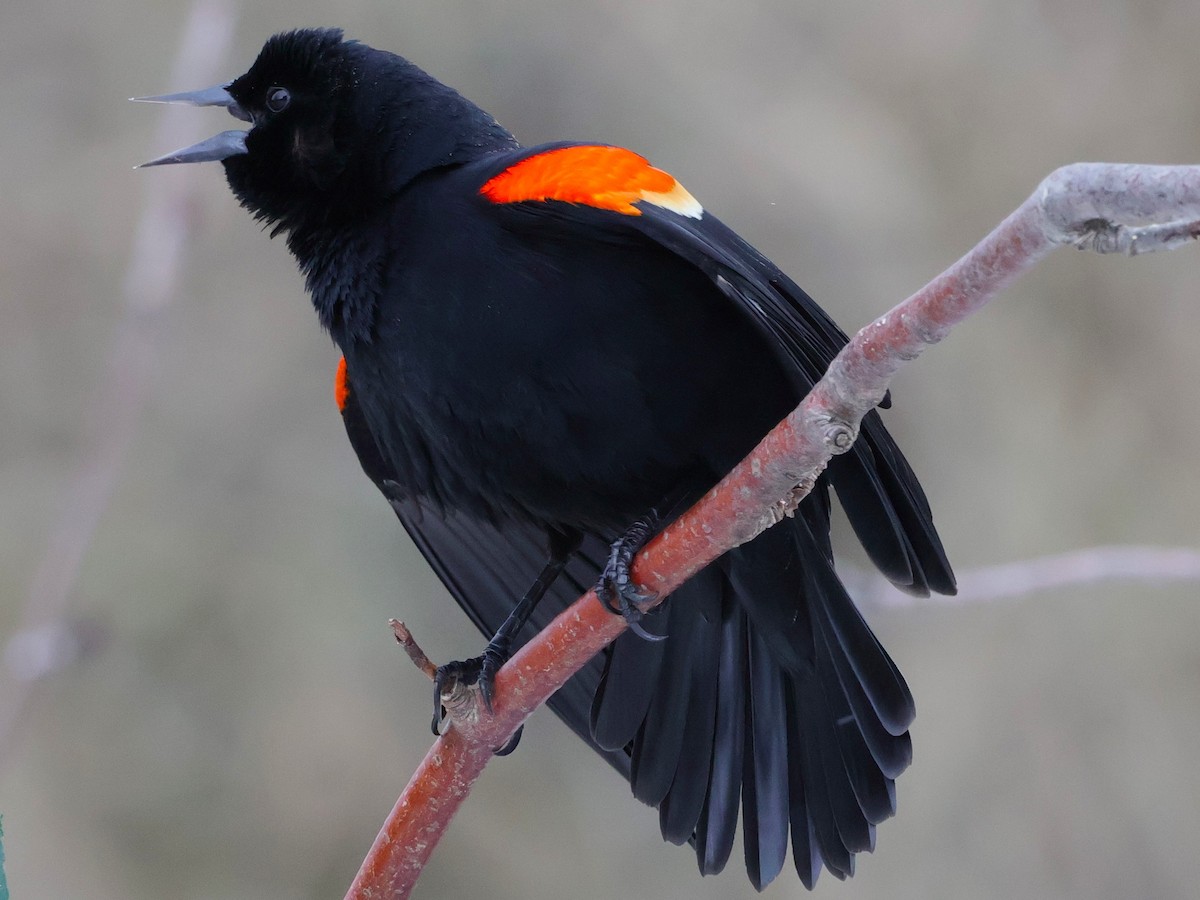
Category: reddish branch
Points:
column 1107, row 208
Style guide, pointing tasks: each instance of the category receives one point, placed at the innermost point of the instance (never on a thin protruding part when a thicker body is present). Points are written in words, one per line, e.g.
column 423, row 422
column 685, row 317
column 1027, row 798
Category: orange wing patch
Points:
column 603, row 177
column 341, row 387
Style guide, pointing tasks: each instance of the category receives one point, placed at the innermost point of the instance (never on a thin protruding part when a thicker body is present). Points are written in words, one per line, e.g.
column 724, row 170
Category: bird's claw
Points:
column 616, row 588
column 451, row 677
column 460, row 674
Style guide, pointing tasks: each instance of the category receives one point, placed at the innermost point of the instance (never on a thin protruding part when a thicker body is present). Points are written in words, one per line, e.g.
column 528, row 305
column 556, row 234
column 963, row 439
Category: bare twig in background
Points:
column 48, row 639
column 1092, row 565
column 1107, row 208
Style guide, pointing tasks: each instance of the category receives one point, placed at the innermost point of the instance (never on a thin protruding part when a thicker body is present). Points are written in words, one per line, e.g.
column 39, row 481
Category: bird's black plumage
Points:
column 559, row 339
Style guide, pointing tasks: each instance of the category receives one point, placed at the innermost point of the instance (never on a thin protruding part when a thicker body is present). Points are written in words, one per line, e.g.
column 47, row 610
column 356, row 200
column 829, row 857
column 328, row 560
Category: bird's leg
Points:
column 483, row 669
column 615, row 588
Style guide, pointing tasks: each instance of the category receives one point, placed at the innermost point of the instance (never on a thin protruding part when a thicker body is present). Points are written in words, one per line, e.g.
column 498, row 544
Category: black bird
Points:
column 542, row 347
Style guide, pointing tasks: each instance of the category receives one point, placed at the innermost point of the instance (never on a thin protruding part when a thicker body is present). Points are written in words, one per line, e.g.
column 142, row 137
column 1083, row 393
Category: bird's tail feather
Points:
column 771, row 690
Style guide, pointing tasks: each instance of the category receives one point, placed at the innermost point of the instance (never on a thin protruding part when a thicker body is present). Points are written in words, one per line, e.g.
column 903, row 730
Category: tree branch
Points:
column 1106, row 208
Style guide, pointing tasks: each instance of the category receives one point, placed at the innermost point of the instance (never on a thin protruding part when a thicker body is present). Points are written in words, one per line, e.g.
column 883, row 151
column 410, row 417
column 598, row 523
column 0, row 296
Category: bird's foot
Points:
column 616, row 588
column 452, row 680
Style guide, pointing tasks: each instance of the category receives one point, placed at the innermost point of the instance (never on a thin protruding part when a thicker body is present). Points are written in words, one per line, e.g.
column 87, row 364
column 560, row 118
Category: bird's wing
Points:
column 601, row 192
column 488, row 566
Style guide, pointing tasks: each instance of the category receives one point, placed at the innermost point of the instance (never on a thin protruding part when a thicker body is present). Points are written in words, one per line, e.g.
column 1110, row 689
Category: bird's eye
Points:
column 278, row 98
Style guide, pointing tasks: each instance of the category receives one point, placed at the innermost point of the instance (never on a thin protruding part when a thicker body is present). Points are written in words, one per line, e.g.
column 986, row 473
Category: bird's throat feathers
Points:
column 343, row 273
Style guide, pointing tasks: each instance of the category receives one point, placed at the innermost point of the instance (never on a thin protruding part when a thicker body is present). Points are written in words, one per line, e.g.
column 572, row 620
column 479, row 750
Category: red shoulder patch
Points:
column 602, row 177
column 341, row 387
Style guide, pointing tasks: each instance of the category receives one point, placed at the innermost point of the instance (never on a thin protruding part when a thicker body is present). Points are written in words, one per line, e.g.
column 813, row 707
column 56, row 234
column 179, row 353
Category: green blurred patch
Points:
column 3, row 880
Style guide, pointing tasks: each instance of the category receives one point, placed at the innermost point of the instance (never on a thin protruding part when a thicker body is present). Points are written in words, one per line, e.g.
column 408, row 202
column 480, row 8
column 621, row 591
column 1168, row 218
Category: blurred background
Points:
column 241, row 720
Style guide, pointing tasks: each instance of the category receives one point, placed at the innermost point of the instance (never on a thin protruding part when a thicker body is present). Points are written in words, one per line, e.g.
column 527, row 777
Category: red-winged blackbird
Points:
column 543, row 345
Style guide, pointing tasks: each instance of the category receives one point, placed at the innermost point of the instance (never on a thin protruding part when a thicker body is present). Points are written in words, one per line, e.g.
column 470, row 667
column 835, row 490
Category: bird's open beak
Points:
column 220, row 146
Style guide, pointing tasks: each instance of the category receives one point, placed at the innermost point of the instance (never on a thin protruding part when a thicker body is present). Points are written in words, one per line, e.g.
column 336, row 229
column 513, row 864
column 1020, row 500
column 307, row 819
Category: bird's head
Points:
column 336, row 127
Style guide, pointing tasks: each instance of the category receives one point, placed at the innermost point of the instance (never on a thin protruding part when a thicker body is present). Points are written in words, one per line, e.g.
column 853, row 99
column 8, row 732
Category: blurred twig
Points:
column 150, row 284
column 1107, row 208
column 1092, row 565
